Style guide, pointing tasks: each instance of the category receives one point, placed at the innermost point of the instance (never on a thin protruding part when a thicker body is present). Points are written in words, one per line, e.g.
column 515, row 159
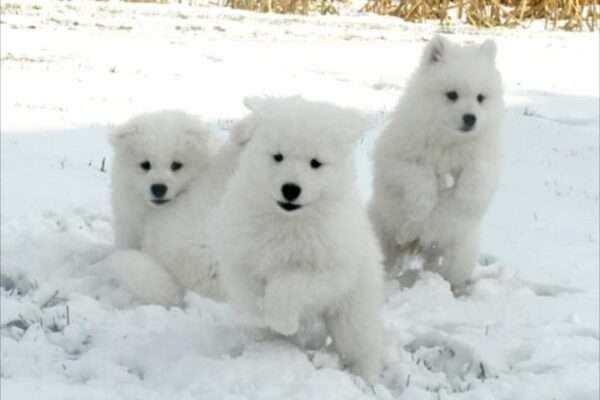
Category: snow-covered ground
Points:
column 529, row 329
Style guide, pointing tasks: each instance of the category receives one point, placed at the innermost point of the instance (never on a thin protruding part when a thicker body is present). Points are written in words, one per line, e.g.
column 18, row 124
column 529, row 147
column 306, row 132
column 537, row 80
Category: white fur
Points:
column 321, row 259
column 432, row 181
column 144, row 278
column 159, row 138
column 174, row 234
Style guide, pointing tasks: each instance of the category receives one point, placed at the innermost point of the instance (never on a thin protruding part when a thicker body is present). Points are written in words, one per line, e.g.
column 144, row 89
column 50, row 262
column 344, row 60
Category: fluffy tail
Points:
column 143, row 277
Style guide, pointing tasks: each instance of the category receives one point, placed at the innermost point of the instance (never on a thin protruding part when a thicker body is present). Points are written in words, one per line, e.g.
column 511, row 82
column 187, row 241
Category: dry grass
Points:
column 557, row 14
column 278, row 6
column 286, row 6
column 563, row 14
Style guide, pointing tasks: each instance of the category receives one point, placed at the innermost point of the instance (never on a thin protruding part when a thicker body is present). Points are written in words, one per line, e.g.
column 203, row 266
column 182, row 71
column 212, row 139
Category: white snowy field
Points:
column 528, row 330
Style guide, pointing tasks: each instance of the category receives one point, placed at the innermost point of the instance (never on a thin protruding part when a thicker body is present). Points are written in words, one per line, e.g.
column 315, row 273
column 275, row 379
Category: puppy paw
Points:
column 408, row 232
column 281, row 318
column 286, row 326
column 368, row 369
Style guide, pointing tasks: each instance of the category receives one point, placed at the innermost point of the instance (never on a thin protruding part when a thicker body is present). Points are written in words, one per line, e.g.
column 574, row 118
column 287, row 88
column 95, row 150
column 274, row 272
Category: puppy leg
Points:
column 462, row 259
column 237, row 285
column 289, row 293
column 392, row 251
column 148, row 281
column 283, row 305
column 128, row 214
column 454, row 261
column 386, row 239
column 126, row 236
column 357, row 334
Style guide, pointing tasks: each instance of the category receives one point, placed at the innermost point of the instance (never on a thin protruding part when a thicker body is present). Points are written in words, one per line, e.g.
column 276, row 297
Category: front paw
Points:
column 285, row 323
column 408, row 232
column 282, row 307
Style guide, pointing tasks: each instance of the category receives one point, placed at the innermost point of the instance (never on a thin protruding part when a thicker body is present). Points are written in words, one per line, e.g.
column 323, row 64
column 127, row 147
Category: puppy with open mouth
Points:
column 291, row 236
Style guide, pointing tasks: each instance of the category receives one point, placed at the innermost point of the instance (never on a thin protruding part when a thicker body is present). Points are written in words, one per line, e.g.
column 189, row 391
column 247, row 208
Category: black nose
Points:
column 158, row 190
column 290, row 191
column 469, row 120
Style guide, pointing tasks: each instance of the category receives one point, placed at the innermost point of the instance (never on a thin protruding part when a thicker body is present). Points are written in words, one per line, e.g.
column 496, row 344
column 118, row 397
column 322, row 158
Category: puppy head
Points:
column 160, row 153
column 459, row 87
column 298, row 154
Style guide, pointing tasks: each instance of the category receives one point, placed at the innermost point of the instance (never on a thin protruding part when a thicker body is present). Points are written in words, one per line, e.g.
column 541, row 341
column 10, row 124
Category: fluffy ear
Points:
column 489, row 49
column 261, row 106
column 121, row 132
column 435, row 51
column 242, row 131
column 196, row 128
column 256, row 104
column 354, row 124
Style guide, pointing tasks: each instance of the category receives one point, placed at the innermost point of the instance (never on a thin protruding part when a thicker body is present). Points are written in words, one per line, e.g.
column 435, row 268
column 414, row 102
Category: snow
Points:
column 528, row 329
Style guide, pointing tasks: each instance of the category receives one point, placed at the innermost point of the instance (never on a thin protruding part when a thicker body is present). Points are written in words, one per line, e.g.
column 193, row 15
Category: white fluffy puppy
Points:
column 293, row 239
column 156, row 157
column 436, row 163
column 167, row 175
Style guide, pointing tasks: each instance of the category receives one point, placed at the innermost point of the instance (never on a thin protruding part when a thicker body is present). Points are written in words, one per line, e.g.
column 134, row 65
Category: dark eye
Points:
column 176, row 166
column 452, row 96
column 145, row 165
column 314, row 163
column 278, row 157
column 480, row 98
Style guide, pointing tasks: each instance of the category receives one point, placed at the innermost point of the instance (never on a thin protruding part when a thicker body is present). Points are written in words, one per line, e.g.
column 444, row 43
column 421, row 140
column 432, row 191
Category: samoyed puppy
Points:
column 292, row 238
column 436, row 164
column 156, row 157
column 168, row 173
